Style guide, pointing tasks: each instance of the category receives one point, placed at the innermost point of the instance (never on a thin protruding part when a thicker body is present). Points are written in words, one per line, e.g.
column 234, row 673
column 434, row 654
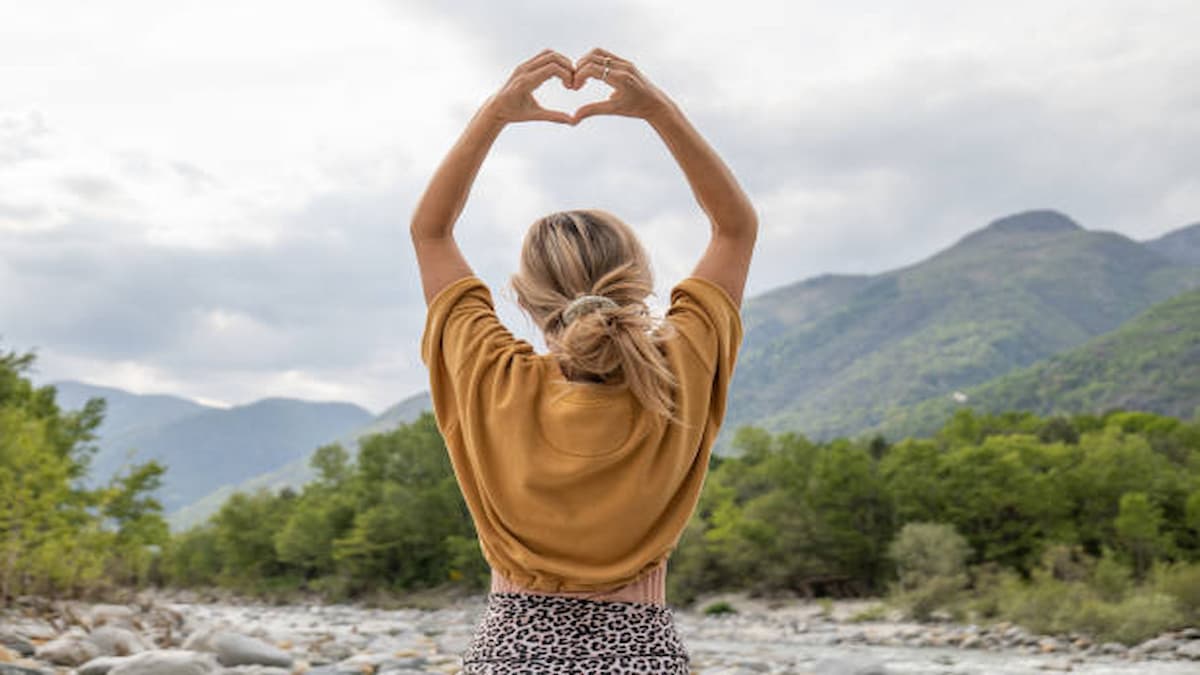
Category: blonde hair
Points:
column 570, row 254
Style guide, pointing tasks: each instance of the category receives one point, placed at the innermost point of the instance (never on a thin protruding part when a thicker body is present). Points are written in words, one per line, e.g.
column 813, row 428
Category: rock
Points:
column 971, row 642
column 101, row 665
column 1158, row 644
column 1189, row 650
column 255, row 670
column 234, row 649
column 12, row 669
column 116, row 641
column 69, row 649
column 335, row 669
column 200, row 639
column 1049, row 645
column 16, row 643
column 168, row 662
column 1113, row 648
column 850, row 667
column 114, row 615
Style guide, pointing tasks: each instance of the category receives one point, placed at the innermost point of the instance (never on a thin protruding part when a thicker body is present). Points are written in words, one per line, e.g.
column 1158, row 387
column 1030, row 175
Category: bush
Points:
column 1045, row 605
column 1136, row 619
column 931, row 563
column 719, row 607
column 924, row 552
column 1180, row 581
column 1111, row 579
column 933, row 594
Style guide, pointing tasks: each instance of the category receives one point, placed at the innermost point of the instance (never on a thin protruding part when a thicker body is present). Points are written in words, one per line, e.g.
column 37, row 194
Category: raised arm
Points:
column 432, row 228
column 734, row 221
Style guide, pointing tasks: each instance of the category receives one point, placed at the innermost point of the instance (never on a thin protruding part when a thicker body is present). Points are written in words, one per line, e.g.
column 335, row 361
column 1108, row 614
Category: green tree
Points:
column 1139, row 530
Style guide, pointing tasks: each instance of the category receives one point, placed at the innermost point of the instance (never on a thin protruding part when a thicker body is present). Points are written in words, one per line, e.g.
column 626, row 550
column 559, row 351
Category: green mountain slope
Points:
column 296, row 472
column 1021, row 289
column 1182, row 245
column 1151, row 363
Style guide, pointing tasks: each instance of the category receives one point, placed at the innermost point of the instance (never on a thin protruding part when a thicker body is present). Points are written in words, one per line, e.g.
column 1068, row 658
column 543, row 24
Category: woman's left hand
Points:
column 515, row 103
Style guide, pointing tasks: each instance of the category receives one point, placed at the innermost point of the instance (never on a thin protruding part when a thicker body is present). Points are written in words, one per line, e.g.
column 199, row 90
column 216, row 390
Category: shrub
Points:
column 931, row 563
column 876, row 612
column 1136, row 619
column 1045, row 605
column 926, row 551
column 933, row 594
column 719, row 607
column 1181, row 581
column 1111, row 579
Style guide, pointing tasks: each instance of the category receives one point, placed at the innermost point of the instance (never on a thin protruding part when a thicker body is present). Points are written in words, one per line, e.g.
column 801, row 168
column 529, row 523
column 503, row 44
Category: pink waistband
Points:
column 650, row 588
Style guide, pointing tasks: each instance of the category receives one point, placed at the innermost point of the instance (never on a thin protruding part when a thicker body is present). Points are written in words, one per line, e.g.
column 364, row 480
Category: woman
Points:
column 581, row 467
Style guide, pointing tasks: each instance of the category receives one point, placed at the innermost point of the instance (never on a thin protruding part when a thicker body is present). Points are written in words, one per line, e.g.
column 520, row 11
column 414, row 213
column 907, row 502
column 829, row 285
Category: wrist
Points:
column 491, row 114
column 663, row 112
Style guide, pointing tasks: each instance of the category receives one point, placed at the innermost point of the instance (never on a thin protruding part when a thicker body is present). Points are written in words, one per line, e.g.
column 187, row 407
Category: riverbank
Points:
column 184, row 633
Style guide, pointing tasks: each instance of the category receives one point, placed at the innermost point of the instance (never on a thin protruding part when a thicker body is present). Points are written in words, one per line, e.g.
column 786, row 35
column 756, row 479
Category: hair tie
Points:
column 586, row 303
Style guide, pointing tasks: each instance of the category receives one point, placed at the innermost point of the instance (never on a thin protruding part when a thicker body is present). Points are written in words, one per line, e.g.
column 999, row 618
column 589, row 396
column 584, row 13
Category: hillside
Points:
column 297, row 472
column 204, row 447
column 1182, row 245
column 833, row 356
column 1151, row 364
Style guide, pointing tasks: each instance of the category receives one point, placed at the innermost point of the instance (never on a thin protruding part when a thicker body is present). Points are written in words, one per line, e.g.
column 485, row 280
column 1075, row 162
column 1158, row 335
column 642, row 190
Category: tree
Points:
column 1139, row 530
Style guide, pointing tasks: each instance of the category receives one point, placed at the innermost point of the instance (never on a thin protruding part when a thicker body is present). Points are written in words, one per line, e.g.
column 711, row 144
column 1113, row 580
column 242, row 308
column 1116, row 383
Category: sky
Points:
column 211, row 199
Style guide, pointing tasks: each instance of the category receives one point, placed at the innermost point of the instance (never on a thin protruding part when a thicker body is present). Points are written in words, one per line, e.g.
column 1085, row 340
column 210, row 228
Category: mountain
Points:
column 1182, row 245
column 125, row 416
column 297, row 472
column 204, row 447
column 1151, row 363
column 833, row 355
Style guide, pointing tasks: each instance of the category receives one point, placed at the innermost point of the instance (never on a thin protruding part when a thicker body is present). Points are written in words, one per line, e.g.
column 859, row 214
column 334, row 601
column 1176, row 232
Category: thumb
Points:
column 598, row 108
column 544, row 115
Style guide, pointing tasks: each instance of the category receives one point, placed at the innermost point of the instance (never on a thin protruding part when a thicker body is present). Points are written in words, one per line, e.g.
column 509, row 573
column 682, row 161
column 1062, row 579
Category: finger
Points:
column 533, row 80
column 544, row 115
column 547, row 56
column 615, row 74
column 599, row 56
column 608, row 107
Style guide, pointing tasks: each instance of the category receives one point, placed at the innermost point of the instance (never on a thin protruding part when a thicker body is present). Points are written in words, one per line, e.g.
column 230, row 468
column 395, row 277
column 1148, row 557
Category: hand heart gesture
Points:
column 633, row 95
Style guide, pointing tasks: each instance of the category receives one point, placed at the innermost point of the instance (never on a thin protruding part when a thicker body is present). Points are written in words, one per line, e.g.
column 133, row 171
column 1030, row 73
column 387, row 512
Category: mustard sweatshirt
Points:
column 585, row 491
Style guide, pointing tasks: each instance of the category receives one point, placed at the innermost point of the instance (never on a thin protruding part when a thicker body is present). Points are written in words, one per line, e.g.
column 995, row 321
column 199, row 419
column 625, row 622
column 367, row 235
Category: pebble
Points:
column 13, row 642
column 69, row 649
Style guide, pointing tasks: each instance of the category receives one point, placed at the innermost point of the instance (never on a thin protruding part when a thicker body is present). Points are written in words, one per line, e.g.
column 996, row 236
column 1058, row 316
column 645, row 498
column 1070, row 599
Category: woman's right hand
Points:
column 633, row 95
column 515, row 102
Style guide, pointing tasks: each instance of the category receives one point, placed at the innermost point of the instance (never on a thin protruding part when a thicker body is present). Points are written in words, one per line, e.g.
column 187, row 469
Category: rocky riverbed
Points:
column 178, row 634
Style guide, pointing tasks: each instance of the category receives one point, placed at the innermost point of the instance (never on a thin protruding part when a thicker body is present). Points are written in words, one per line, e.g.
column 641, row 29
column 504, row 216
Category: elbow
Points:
column 740, row 223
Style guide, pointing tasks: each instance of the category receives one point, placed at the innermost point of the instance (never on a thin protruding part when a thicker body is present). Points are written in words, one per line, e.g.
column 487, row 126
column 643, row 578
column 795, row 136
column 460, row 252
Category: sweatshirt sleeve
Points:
column 708, row 321
column 466, row 348
column 710, row 327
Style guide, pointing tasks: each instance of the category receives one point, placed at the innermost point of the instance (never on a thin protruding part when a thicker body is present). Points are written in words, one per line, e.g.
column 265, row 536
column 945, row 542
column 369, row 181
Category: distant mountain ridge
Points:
column 1182, row 245
column 204, row 447
column 296, row 472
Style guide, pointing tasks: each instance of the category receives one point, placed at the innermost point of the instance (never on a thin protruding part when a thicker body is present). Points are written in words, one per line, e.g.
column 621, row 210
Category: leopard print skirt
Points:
column 528, row 633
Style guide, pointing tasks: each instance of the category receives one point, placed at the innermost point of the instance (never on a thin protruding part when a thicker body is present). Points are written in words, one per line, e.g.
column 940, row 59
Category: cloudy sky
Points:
column 212, row 198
